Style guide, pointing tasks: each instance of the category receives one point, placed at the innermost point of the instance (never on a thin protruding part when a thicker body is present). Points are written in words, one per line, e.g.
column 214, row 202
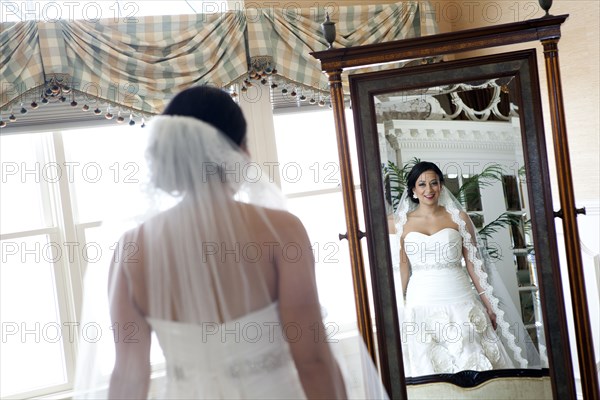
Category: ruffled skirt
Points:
column 446, row 328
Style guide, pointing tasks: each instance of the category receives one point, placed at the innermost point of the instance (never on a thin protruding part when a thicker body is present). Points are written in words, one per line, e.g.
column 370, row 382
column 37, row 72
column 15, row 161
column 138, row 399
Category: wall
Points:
column 579, row 52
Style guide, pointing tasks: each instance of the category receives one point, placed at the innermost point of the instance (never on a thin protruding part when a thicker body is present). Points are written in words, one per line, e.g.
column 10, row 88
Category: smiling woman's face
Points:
column 428, row 188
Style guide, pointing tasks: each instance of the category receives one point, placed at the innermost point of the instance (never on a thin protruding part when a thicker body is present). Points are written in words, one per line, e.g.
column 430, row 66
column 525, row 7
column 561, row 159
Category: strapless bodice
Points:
column 440, row 250
column 243, row 358
column 437, row 275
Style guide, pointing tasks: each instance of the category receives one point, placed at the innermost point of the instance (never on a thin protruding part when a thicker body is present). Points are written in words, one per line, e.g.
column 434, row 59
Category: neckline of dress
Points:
column 433, row 234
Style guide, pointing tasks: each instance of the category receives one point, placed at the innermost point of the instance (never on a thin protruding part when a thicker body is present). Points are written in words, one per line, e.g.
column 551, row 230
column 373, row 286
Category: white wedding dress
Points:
column 445, row 326
column 247, row 358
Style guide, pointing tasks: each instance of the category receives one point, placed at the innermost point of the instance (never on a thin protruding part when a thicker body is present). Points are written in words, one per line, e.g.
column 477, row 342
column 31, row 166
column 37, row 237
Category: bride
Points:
column 223, row 275
column 454, row 318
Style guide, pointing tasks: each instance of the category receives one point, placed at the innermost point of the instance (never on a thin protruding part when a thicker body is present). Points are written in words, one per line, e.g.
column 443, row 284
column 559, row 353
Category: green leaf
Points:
column 503, row 221
column 469, row 192
column 395, row 180
column 522, row 173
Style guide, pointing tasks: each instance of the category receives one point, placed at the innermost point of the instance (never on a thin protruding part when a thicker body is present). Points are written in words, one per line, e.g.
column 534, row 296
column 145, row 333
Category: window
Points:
column 35, row 353
column 522, row 247
column 311, row 180
column 511, row 193
column 60, row 188
column 57, row 189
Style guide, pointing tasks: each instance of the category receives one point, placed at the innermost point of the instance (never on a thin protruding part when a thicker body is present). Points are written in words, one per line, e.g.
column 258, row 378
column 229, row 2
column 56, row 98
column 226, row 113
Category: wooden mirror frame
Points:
column 521, row 66
column 546, row 30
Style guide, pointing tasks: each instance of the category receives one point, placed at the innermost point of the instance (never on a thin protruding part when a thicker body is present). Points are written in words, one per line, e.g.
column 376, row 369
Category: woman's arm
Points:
column 404, row 268
column 471, row 270
column 299, row 306
column 130, row 378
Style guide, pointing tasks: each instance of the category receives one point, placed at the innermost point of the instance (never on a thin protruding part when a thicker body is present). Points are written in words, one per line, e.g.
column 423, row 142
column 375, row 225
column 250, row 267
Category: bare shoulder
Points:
column 464, row 216
column 285, row 224
column 411, row 215
column 130, row 239
column 281, row 216
column 413, row 218
column 412, row 222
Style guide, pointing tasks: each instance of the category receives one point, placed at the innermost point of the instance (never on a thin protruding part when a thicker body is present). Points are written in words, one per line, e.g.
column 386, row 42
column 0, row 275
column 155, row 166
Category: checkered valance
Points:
column 289, row 36
column 141, row 65
column 138, row 65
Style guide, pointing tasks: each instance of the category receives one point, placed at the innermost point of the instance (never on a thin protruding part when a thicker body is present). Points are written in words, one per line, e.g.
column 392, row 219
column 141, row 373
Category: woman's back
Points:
column 234, row 303
column 236, row 264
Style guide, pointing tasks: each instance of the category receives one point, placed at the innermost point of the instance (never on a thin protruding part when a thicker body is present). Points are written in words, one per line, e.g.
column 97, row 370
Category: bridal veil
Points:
column 212, row 245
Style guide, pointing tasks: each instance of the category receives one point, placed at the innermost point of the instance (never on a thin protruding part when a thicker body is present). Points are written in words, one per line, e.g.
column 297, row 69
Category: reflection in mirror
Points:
column 471, row 131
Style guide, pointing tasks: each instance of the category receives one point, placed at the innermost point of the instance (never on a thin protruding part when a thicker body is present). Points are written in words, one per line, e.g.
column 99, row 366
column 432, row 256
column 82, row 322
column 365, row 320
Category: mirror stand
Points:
column 353, row 234
column 568, row 214
column 546, row 30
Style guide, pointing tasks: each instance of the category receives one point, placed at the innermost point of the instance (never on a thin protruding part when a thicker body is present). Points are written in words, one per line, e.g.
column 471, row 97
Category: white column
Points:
column 257, row 108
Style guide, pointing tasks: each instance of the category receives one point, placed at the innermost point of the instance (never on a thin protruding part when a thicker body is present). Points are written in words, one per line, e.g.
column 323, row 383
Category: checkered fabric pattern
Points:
column 139, row 65
column 147, row 62
column 142, row 64
column 289, row 35
column 20, row 60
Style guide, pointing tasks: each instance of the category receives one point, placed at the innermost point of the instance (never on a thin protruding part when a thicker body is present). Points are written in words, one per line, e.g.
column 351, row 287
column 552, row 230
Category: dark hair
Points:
column 211, row 105
column 416, row 171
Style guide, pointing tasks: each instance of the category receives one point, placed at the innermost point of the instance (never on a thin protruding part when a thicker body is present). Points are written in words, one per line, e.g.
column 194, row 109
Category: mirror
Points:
column 478, row 117
column 472, row 132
